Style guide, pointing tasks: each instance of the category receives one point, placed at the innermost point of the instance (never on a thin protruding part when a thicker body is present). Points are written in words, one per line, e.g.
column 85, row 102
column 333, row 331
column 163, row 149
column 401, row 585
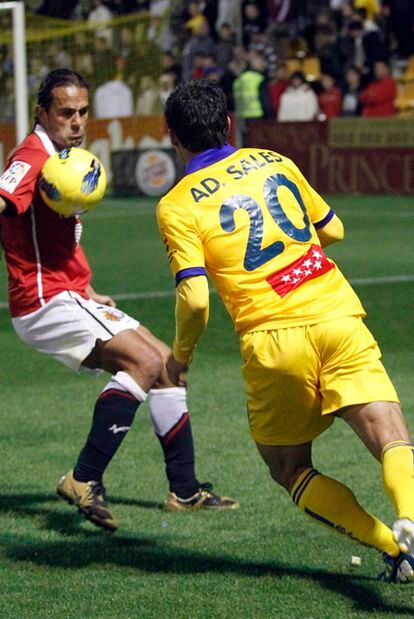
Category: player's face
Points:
column 66, row 119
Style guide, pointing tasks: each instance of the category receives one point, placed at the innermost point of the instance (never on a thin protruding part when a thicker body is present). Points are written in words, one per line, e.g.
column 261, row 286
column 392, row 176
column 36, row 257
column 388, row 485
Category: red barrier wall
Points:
column 347, row 155
column 340, row 156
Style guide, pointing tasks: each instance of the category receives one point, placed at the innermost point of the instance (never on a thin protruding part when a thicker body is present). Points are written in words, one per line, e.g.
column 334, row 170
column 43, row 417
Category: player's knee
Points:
column 151, row 363
column 285, row 474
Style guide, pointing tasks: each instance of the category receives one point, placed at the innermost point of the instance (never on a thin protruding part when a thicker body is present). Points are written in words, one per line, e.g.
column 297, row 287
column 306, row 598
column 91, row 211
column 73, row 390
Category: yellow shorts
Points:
column 296, row 376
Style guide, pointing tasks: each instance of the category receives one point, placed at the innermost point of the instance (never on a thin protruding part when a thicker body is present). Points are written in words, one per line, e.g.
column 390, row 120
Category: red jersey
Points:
column 41, row 248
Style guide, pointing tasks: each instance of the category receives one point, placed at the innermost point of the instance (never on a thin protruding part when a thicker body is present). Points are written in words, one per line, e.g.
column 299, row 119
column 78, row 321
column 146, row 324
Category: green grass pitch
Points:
column 265, row 560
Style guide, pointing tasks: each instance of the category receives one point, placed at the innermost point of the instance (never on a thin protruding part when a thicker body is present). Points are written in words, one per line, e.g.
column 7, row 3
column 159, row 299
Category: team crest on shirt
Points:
column 113, row 314
column 11, row 178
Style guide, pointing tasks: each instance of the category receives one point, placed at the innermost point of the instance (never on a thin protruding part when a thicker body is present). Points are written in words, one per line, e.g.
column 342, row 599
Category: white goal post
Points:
column 20, row 67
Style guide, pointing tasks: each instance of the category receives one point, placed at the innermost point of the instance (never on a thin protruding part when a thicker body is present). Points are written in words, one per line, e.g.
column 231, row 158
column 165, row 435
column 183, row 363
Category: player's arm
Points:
column 329, row 227
column 182, row 242
column 7, row 207
column 18, row 181
column 191, row 317
column 330, row 232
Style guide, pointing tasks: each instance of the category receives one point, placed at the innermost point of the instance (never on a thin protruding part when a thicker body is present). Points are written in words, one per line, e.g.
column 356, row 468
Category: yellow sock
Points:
column 398, row 475
column 332, row 504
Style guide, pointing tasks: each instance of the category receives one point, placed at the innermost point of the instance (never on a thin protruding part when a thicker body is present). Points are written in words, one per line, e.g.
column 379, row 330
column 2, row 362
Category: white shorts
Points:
column 68, row 326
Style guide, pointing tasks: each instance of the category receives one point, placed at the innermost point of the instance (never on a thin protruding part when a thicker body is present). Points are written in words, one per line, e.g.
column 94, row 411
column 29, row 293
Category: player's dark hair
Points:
column 59, row 77
column 196, row 111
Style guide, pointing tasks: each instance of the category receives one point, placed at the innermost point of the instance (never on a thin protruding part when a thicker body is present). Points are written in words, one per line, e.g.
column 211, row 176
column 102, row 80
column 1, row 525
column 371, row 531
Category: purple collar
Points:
column 208, row 157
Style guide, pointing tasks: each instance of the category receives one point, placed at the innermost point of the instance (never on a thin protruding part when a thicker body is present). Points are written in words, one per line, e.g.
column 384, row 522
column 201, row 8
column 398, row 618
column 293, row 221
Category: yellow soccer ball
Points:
column 72, row 181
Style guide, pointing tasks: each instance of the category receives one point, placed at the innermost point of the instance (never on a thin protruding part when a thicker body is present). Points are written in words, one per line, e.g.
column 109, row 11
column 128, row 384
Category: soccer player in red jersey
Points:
column 55, row 310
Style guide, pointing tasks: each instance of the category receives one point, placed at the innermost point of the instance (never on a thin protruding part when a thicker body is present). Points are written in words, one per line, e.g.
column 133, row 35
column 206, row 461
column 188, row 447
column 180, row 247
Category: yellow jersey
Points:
column 249, row 219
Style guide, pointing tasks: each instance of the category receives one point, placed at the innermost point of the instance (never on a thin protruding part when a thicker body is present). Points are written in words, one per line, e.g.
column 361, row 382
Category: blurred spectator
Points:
column 210, row 68
column 199, row 43
column 167, row 83
column 83, row 64
column 159, row 33
column 330, row 97
column 277, row 86
column 250, row 90
column 170, row 64
column 196, row 17
column 254, row 21
column 361, row 48
column 378, row 98
column 103, row 60
column 159, row 8
column 237, row 65
column 298, row 102
column 351, row 105
column 148, row 102
column 37, row 70
column 260, row 43
column 57, row 57
column 81, row 10
column 200, row 62
column 114, row 98
column 225, row 45
column 99, row 15
column 371, row 8
column 324, row 34
column 230, row 12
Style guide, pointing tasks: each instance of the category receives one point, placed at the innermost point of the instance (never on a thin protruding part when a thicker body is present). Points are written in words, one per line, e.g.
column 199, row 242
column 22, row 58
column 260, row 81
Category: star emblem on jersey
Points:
column 313, row 264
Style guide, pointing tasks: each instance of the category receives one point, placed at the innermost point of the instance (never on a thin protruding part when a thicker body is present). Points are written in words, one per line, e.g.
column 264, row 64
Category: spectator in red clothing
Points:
column 278, row 85
column 330, row 97
column 378, row 98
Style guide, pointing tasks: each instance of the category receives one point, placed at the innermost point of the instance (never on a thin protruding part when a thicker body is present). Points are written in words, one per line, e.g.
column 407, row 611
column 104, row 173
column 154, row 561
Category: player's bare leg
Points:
column 381, row 426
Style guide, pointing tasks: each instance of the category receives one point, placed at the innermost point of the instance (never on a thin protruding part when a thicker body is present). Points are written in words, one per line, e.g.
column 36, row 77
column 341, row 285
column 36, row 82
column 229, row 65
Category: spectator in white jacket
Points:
column 298, row 102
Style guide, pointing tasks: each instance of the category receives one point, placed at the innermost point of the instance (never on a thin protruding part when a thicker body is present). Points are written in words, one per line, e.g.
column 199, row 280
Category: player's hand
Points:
column 102, row 299
column 177, row 371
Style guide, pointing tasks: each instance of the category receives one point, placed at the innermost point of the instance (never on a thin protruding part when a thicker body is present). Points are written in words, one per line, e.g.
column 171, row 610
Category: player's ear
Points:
column 228, row 124
column 173, row 138
column 40, row 113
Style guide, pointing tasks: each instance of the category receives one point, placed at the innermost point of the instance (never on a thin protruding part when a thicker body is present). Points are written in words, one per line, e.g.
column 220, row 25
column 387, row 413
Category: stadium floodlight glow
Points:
column 20, row 67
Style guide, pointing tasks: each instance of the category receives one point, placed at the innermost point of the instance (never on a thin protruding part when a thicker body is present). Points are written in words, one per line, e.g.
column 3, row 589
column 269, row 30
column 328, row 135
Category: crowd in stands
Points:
column 293, row 60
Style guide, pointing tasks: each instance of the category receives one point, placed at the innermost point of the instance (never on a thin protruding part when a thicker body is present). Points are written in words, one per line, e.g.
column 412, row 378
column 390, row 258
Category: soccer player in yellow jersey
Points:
column 250, row 220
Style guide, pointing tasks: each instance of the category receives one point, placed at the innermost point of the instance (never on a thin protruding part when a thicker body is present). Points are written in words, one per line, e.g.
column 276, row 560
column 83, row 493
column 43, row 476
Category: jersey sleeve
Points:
column 181, row 239
column 18, row 181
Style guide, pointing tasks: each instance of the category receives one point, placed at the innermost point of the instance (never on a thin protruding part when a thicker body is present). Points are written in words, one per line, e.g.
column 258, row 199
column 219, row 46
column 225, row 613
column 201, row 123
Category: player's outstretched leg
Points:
column 398, row 474
column 382, row 428
column 138, row 366
column 332, row 504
